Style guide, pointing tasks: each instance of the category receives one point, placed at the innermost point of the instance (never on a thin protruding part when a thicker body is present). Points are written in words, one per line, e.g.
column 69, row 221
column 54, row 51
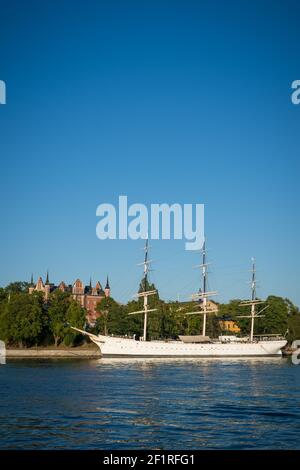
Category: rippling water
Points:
column 154, row 404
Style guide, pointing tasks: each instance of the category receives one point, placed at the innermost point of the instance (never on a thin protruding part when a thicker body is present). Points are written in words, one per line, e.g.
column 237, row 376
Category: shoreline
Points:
column 89, row 353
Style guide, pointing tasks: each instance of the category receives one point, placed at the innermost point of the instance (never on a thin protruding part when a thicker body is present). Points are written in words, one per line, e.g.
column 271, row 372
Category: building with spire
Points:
column 41, row 287
column 107, row 288
column 86, row 295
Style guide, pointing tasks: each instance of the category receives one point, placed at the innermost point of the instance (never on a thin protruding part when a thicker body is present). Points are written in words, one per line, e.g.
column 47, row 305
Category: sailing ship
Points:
column 201, row 345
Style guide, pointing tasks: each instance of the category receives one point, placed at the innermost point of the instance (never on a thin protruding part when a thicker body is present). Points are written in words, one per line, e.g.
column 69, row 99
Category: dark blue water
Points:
column 113, row 404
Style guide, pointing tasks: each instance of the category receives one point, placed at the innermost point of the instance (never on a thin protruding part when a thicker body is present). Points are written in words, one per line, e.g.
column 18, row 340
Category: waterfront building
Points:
column 88, row 296
column 227, row 324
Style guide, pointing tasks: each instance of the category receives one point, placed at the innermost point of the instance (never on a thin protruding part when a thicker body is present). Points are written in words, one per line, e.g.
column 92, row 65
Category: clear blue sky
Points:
column 178, row 101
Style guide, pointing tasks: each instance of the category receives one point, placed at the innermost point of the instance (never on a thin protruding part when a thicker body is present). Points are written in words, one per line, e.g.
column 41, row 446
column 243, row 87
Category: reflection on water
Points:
column 150, row 403
column 201, row 361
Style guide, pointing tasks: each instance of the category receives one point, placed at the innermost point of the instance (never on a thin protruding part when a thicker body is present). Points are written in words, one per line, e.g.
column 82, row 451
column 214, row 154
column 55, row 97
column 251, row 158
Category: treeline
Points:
column 26, row 320
column 279, row 315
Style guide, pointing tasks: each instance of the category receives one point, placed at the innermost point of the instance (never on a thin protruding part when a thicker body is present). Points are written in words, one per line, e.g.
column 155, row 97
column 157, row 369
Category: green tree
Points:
column 17, row 287
column 275, row 317
column 293, row 321
column 233, row 310
column 75, row 316
column 213, row 328
column 159, row 323
column 3, row 295
column 113, row 319
column 22, row 319
column 168, row 324
column 192, row 324
column 156, row 320
column 57, row 312
column 293, row 327
column 134, row 323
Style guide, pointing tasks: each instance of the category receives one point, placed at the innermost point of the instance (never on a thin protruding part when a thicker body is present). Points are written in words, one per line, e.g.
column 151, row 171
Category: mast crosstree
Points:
column 253, row 302
column 145, row 293
column 203, row 295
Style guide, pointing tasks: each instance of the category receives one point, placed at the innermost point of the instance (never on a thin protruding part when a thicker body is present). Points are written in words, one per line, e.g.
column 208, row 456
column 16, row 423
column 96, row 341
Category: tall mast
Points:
column 253, row 296
column 253, row 302
column 146, row 269
column 204, row 274
column 203, row 294
column 145, row 293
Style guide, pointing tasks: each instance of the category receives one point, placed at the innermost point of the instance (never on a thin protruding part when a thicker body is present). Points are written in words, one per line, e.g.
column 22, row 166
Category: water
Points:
column 153, row 404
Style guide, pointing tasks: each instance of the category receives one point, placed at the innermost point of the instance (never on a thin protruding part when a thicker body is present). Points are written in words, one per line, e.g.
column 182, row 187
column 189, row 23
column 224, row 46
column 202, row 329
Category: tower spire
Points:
column 107, row 283
column 47, row 277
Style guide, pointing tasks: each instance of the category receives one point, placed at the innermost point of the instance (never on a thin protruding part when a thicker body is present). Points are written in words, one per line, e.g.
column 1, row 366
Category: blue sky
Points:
column 182, row 101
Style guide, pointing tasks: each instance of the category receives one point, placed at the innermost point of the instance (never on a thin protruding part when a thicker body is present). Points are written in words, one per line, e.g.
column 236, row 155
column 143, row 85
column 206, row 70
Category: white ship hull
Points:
column 123, row 347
